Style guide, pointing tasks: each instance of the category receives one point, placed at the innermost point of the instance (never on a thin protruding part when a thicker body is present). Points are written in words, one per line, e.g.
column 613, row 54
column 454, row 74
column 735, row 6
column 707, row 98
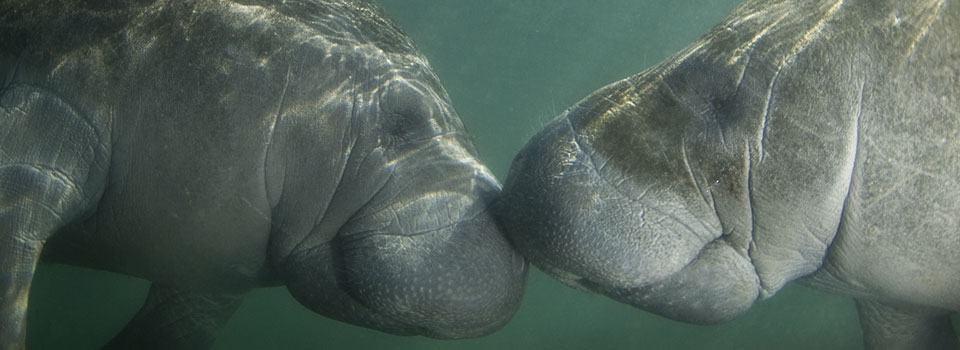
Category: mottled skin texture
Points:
column 813, row 139
column 215, row 146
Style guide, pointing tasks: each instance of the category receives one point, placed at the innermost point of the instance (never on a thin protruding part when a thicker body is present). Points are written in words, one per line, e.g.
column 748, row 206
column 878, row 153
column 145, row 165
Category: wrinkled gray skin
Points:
column 212, row 147
column 797, row 139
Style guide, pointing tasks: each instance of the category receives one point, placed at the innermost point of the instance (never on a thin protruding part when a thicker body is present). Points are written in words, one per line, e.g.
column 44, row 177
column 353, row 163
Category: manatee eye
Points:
column 409, row 113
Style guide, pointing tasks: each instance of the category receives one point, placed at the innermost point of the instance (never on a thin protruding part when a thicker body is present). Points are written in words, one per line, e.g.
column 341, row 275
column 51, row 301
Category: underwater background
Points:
column 509, row 67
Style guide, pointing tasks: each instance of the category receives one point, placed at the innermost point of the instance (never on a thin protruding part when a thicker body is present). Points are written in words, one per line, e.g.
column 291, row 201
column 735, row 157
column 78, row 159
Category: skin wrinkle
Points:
column 787, row 60
column 684, row 224
column 661, row 79
column 713, row 204
column 856, row 156
column 70, row 106
column 799, row 47
column 751, row 245
column 744, row 50
column 270, row 144
column 64, row 179
column 404, row 188
column 892, row 189
column 814, row 32
column 263, row 215
column 854, row 149
column 616, row 187
column 736, row 90
column 363, row 235
column 685, row 156
column 612, row 102
column 375, row 195
column 683, row 57
column 926, row 28
column 321, row 215
column 921, row 171
column 766, row 113
column 748, row 17
column 686, row 163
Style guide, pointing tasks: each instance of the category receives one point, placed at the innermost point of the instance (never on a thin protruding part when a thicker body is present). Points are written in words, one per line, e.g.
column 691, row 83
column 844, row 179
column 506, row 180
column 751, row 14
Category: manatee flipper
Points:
column 51, row 169
column 887, row 326
column 176, row 319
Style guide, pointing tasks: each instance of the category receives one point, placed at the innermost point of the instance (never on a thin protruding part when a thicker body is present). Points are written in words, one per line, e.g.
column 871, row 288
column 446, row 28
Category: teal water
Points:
column 509, row 66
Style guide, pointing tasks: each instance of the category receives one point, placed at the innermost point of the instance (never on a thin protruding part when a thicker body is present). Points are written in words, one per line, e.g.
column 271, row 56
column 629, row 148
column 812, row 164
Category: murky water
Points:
column 509, row 66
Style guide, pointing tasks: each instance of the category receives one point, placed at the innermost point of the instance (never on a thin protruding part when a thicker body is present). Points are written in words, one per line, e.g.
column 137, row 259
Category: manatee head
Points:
column 403, row 240
column 611, row 197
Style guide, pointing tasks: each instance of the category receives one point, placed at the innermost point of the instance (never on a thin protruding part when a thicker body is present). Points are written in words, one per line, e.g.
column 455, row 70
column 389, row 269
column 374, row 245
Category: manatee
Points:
column 216, row 146
column 811, row 140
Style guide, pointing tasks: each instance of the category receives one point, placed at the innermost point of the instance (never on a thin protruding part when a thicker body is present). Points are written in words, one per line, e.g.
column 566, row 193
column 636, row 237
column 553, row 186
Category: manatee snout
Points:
column 562, row 214
column 455, row 282
column 572, row 211
column 424, row 256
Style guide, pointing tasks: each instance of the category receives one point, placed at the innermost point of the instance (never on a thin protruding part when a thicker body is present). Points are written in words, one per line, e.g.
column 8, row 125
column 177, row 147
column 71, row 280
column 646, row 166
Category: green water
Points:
column 509, row 66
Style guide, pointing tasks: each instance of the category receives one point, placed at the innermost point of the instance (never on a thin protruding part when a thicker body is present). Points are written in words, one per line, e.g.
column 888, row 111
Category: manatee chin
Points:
column 649, row 239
